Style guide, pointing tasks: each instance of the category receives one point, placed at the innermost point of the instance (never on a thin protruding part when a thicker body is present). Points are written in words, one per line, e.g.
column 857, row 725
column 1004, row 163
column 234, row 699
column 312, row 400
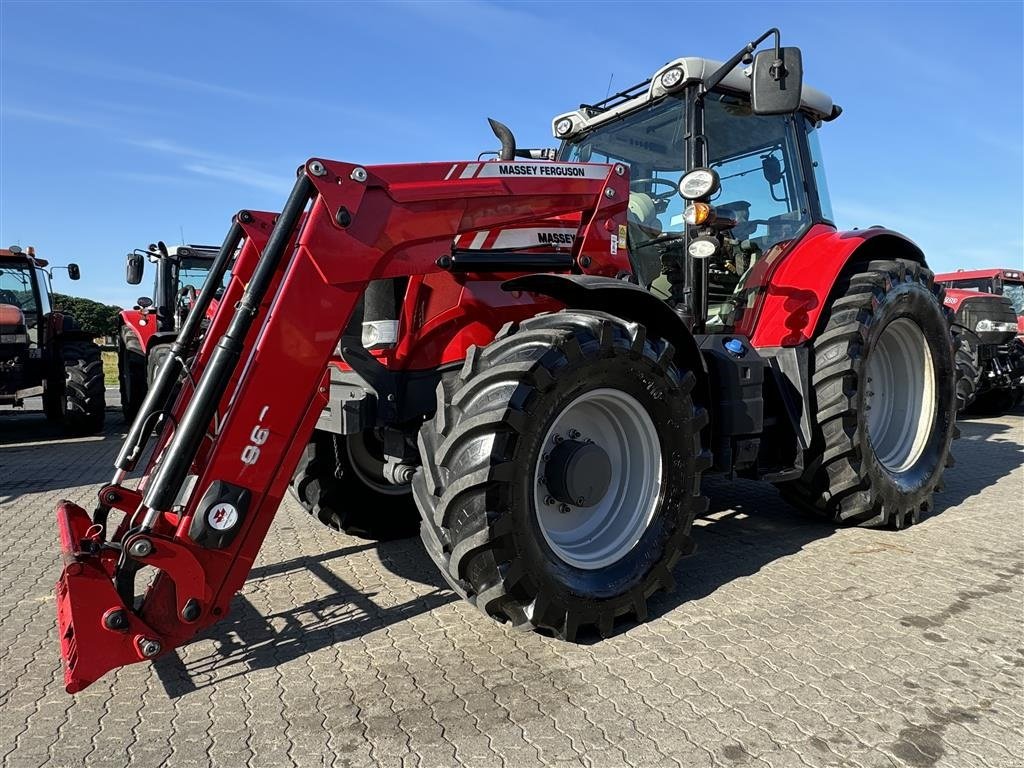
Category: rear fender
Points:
column 631, row 303
column 802, row 284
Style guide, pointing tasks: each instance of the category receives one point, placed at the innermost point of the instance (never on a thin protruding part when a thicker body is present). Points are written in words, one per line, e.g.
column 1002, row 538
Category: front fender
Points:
column 625, row 300
column 794, row 292
column 136, row 328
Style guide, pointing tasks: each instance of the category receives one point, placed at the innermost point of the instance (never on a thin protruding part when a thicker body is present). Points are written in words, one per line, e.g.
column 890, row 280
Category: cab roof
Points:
column 1016, row 275
column 817, row 104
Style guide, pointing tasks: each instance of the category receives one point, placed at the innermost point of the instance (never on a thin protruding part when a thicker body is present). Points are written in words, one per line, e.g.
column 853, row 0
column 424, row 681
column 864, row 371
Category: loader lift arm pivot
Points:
column 208, row 498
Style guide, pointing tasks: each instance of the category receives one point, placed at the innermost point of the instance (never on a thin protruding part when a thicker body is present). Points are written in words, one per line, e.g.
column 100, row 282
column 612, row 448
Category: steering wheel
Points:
column 635, row 185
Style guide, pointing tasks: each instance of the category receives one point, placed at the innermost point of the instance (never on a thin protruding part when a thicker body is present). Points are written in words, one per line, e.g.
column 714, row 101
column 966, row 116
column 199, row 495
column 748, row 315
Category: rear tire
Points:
column 85, row 409
column 333, row 489
column 880, row 469
column 488, row 463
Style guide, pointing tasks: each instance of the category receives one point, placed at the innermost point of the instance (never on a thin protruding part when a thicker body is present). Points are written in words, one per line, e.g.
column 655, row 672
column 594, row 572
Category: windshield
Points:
column 16, row 290
column 652, row 142
column 193, row 271
column 1015, row 293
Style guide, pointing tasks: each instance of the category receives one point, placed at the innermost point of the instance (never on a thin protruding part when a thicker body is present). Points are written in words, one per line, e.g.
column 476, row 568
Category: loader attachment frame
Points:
column 249, row 398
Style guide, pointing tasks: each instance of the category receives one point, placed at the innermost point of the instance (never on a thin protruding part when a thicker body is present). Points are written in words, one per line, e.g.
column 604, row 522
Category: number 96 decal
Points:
column 259, row 436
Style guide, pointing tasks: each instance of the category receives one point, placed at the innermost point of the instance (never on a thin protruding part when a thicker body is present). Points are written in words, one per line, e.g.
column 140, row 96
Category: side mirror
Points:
column 772, row 169
column 776, row 82
column 133, row 268
column 74, row 272
column 144, row 302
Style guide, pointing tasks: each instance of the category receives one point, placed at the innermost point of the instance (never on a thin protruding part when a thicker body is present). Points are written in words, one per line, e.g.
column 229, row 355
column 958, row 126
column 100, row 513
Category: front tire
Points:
column 885, row 390
column 131, row 375
column 968, row 366
column 521, row 513
column 337, row 482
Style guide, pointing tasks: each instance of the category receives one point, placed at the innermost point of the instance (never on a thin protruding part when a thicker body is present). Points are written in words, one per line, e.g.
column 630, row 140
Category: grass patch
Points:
column 109, row 368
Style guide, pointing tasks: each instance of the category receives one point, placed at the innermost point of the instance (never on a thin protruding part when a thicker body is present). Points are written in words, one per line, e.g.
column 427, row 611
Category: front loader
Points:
column 549, row 353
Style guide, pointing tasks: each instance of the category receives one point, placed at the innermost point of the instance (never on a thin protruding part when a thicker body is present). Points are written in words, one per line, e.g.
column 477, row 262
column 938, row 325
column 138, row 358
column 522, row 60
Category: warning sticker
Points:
column 615, row 244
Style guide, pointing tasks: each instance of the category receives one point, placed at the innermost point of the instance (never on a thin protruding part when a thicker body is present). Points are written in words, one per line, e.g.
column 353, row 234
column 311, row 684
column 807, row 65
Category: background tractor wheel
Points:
column 339, row 482
column 885, row 390
column 561, row 473
column 158, row 353
column 968, row 366
column 131, row 374
column 84, row 409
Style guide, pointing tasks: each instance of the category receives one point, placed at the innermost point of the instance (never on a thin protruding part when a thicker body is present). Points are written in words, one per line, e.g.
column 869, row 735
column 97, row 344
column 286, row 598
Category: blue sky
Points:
column 127, row 123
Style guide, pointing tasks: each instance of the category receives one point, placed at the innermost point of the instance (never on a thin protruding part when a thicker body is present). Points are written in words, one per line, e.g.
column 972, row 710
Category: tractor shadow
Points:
column 248, row 640
column 747, row 527
column 36, row 456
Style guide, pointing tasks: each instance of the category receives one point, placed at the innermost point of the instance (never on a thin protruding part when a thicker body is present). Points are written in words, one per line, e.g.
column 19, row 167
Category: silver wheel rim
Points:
column 901, row 395
column 369, row 468
column 597, row 536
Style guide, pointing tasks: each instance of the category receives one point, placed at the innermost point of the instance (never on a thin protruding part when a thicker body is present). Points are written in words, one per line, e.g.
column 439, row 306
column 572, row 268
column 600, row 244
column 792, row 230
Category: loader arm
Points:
column 252, row 393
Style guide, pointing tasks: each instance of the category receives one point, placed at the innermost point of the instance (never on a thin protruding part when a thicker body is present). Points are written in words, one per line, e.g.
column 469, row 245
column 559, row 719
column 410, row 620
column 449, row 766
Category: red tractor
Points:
column 550, row 353
column 43, row 351
column 988, row 307
column 146, row 332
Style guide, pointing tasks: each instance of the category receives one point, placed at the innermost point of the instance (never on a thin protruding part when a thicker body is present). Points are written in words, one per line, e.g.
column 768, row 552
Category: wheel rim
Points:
column 367, row 462
column 598, row 535
column 901, row 395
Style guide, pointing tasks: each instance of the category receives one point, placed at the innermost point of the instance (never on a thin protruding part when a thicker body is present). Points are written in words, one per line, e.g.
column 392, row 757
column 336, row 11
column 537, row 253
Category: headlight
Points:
column 702, row 247
column 13, row 338
column 670, row 78
column 696, row 213
column 992, row 325
column 700, row 182
column 563, row 126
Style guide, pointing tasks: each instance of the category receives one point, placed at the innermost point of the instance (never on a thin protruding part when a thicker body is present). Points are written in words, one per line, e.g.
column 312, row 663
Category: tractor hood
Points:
column 988, row 315
column 12, row 319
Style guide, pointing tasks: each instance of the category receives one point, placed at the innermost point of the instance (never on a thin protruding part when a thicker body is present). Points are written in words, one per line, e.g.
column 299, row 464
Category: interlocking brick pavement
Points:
column 787, row 643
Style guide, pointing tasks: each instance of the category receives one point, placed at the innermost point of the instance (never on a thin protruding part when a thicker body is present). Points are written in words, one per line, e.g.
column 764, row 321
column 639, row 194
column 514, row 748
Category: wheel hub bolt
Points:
column 574, row 434
column 549, row 500
column 564, row 509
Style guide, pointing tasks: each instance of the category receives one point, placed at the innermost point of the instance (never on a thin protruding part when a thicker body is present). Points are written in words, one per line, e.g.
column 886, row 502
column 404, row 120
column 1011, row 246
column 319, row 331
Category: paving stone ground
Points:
column 787, row 643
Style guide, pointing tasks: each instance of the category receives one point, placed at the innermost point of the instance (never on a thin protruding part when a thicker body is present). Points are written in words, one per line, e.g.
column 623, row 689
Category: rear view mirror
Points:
column 133, row 268
column 74, row 272
column 776, row 82
column 772, row 169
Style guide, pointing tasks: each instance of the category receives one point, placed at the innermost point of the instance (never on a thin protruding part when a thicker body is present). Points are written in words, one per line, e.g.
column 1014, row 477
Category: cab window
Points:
column 757, row 160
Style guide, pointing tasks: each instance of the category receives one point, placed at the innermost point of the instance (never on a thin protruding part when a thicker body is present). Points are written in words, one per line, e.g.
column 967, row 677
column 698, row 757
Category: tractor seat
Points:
column 642, row 224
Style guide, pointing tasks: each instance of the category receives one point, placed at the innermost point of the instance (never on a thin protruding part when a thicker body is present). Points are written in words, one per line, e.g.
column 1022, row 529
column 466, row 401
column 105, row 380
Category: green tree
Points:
column 93, row 316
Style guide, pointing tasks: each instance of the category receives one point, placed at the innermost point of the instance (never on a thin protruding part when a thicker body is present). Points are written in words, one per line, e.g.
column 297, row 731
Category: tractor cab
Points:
column 24, row 288
column 180, row 273
column 768, row 189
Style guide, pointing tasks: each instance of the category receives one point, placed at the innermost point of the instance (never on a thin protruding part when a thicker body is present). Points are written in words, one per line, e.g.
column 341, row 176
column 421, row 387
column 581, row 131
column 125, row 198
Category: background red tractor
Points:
column 988, row 306
column 550, row 353
column 146, row 332
column 43, row 351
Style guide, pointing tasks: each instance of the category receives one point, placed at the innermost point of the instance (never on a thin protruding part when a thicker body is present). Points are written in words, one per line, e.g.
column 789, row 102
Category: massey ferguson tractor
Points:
column 44, row 352
column 146, row 332
column 559, row 349
column 988, row 307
